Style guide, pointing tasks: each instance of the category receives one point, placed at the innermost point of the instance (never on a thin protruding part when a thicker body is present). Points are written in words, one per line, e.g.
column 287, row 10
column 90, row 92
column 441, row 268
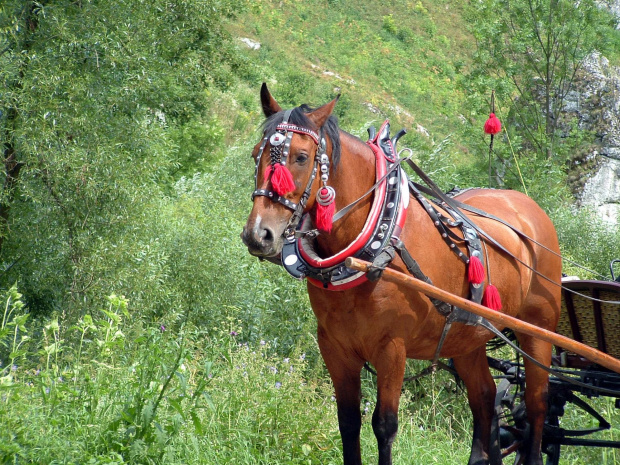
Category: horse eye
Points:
column 301, row 158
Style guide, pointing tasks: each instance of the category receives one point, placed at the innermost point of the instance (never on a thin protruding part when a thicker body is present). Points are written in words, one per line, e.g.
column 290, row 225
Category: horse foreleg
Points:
column 345, row 374
column 390, row 364
column 536, row 392
column 473, row 369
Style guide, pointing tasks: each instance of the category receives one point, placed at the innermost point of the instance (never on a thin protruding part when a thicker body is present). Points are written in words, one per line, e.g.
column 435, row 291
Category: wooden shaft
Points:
column 493, row 316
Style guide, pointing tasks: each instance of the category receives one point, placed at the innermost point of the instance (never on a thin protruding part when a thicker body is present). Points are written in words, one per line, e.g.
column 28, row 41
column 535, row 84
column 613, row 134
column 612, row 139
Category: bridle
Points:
column 280, row 144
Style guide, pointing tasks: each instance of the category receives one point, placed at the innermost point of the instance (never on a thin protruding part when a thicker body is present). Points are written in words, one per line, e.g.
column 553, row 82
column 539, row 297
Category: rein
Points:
column 435, row 191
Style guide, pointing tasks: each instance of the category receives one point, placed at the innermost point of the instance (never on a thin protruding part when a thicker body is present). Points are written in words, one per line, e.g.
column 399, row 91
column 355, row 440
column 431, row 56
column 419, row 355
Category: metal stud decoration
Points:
column 326, row 195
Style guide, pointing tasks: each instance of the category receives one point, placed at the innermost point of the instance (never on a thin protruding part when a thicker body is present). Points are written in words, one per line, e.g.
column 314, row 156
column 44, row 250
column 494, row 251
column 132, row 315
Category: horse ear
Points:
column 270, row 106
column 320, row 115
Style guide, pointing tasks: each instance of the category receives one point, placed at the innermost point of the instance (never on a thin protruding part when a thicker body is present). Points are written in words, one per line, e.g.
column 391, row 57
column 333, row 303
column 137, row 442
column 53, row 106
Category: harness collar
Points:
column 384, row 223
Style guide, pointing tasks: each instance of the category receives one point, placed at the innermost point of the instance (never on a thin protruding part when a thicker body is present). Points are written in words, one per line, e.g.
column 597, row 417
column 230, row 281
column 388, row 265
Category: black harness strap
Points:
column 451, row 203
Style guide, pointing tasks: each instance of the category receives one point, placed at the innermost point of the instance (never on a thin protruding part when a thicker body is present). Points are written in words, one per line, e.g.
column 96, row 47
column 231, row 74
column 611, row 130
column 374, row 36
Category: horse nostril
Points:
column 267, row 235
column 258, row 238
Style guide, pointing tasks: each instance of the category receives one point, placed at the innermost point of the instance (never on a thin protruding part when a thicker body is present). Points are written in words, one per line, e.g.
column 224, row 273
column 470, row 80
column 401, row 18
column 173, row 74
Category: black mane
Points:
column 299, row 118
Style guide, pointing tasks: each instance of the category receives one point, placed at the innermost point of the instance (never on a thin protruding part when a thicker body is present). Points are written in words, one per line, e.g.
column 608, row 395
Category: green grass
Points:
column 124, row 392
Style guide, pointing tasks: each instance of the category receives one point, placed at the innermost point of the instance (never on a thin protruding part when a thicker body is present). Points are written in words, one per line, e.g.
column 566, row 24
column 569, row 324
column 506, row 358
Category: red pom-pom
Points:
column 268, row 171
column 324, row 216
column 475, row 270
column 491, row 298
column 282, row 180
column 492, row 125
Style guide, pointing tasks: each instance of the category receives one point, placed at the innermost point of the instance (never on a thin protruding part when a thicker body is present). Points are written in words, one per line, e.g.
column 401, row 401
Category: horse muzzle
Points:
column 262, row 241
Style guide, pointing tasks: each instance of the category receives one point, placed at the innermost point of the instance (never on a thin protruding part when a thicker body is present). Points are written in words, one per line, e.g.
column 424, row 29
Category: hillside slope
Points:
column 400, row 60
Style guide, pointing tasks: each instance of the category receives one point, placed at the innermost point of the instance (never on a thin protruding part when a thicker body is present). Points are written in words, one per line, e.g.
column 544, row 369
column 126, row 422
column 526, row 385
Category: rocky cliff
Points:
column 595, row 101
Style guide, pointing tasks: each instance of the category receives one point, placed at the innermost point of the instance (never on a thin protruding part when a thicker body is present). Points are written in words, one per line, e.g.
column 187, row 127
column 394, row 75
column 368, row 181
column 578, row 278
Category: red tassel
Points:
column 324, row 216
column 475, row 270
column 282, row 180
column 491, row 298
column 268, row 171
column 492, row 125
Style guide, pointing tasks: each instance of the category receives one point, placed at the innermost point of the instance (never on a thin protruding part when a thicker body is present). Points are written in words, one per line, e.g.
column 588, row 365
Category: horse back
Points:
column 536, row 261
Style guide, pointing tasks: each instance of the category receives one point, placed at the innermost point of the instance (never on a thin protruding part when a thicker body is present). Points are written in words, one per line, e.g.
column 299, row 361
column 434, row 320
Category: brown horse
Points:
column 382, row 323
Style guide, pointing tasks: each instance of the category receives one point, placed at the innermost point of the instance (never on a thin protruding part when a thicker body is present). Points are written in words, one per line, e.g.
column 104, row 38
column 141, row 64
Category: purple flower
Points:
column 262, row 342
column 233, row 333
column 162, row 328
column 274, row 370
column 278, row 384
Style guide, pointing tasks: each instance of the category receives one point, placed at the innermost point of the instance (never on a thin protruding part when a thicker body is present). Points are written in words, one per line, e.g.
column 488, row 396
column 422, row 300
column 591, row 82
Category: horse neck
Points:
column 352, row 178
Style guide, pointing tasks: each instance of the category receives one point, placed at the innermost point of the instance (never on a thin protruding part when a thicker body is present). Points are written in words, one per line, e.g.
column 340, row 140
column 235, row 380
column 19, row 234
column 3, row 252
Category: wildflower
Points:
column 286, row 360
column 278, row 384
column 274, row 370
column 162, row 328
column 47, row 390
column 14, row 368
column 233, row 333
column 262, row 342
column 302, row 357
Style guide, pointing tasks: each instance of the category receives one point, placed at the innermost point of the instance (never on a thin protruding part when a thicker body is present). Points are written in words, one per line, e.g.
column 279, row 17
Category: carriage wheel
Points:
column 552, row 450
column 513, row 426
column 511, row 420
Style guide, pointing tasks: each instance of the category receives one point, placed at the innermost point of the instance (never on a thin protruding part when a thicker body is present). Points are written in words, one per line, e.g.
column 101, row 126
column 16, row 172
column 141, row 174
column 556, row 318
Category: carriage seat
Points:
column 594, row 323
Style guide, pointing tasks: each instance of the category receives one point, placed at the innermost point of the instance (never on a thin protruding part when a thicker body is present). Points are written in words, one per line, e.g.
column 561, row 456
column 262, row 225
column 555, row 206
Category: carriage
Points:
column 593, row 322
column 399, row 270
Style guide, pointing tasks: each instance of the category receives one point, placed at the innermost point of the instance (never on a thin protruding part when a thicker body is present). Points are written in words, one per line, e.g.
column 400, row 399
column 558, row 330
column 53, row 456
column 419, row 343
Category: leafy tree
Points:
column 530, row 51
column 101, row 104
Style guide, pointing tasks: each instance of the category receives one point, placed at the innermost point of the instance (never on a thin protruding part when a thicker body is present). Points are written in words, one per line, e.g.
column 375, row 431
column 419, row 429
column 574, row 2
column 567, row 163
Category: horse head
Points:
column 293, row 162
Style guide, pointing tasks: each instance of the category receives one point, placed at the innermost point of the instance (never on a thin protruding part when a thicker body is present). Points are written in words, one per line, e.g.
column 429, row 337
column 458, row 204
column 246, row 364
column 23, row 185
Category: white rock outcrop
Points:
column 596, row 103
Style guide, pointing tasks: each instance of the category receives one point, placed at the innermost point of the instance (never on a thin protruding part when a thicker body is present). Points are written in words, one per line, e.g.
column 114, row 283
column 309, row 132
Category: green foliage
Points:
column 130, row 393
column 133, row 122
column 596, row 252
column 104, row 106
column 530, row 53
column 13, row 335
